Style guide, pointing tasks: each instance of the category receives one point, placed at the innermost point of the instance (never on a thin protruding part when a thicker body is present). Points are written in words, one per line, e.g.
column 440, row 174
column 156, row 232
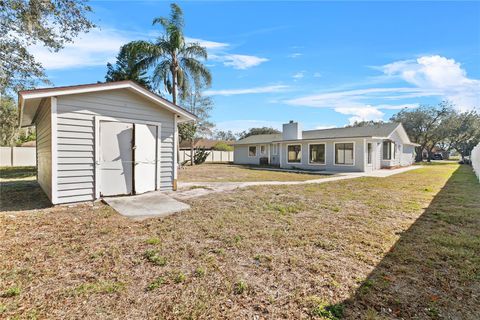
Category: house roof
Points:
column 260, row 138
column 29, row 100
column 383, row 130
column 203, row 143
column 380, row 130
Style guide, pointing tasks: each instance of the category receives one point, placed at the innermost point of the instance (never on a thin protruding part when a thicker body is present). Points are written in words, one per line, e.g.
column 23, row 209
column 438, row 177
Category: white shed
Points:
column 103, row 139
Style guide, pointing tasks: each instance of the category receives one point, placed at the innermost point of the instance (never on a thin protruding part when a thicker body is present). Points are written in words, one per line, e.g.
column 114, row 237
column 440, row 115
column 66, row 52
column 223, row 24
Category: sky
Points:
column 324, row 64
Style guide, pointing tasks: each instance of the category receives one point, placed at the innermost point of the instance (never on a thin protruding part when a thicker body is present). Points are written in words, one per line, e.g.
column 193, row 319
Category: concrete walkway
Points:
column 187, row 190
column 147, row 205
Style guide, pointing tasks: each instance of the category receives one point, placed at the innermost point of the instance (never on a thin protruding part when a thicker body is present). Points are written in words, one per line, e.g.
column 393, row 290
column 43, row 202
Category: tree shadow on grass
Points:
column 433, row 271
column 17, row 172
column 22, row 195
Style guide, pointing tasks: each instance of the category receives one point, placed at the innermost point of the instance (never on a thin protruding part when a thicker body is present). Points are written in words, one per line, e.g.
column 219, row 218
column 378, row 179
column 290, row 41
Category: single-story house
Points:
column 102, row 139
column 202, row 143
column 358, row 149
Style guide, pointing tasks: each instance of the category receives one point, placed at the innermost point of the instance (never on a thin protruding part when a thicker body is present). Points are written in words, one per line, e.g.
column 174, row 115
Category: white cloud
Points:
column 440, row 76
column 299, row 75
column 428, row 76
column 295, row 55
column 240, row 61
column 364, row 113
column 210, row 45
column 238, row 126
column 317, row 75
column 397, row 106
column 357, row 102
column 349, row 98
column 264, row 89
column 100, row 46
column 91, row 49
column 219, row 51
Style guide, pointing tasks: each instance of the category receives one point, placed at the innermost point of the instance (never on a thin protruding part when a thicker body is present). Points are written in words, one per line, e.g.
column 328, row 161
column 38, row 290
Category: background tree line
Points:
column 438, row 126
column 24, row 23
column 169, row 66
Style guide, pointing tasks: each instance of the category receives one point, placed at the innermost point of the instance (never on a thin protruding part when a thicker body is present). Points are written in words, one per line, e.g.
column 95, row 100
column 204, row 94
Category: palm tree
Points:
column 127, row 68
column 174, row 62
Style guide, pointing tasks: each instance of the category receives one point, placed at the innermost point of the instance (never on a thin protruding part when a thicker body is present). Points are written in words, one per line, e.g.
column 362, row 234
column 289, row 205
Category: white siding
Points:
column 76, row 137
column 275, row 157
column 404, row 154
column 43, row 124
column 359, row 156
column 407, row 155
column 241, row 155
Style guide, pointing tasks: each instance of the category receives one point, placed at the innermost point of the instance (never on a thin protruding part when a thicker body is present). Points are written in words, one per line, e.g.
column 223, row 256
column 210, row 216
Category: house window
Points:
column 252, row 151
column 294, row 153
column 275, row 149
column 344, row 153
column 263, row 149
column 317, row 153
column 388, row 150
column 369, row 153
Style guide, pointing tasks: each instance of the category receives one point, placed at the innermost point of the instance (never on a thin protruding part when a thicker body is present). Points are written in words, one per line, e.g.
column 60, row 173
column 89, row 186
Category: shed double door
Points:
column 127, row 158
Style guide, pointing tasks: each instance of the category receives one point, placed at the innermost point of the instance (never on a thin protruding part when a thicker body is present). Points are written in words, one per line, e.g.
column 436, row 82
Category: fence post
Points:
column 475, row 160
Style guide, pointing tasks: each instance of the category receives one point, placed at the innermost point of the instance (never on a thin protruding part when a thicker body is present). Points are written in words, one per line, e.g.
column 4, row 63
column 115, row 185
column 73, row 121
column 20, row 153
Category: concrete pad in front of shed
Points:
column 147, row 205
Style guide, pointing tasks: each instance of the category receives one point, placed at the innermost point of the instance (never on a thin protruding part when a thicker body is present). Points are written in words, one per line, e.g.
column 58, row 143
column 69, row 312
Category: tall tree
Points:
column 174, row 62
column 257, row 131
column 422, row 124
column 365, row 123
column 127, row 68
column 23, row 23
column 224, row 135
column 8, row 122
column 464, row 132
column 200, row 105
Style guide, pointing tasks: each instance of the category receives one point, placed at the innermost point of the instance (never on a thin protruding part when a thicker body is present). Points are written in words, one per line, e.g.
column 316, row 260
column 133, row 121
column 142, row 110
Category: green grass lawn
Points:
column 8, row 173
column 367, row 248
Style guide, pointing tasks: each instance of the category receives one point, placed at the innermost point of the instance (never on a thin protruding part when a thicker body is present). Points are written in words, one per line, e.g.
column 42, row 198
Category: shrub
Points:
column 200, row 156
column 222, row 146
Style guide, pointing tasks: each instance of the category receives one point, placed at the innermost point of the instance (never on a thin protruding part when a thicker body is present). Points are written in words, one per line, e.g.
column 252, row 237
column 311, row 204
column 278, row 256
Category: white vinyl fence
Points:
column 26, row 156
column 18, row 156
column 213, row 156
column 475, row 157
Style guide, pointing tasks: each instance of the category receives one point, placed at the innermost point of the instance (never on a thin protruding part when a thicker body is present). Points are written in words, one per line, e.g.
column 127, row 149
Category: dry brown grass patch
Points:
column 273, row 252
